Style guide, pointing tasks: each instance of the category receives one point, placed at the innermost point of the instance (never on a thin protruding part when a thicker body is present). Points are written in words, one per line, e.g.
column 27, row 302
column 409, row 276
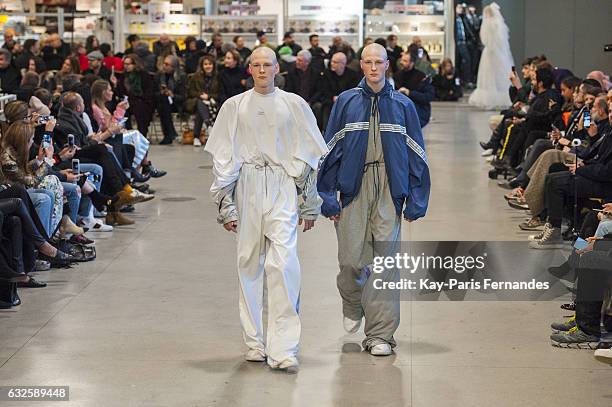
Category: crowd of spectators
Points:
column 554, row 147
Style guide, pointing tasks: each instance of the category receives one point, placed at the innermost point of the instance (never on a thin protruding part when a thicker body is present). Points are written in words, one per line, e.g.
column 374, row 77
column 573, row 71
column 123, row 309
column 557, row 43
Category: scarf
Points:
column 134, row 82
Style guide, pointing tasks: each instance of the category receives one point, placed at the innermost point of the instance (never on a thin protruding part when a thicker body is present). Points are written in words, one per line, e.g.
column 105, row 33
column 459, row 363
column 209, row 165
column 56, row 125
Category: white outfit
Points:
column 265, row 151
column 495, row 63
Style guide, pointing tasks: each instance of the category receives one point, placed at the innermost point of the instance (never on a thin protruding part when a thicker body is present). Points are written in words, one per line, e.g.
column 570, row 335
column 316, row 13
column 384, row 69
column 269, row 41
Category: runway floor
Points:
column 154, row 320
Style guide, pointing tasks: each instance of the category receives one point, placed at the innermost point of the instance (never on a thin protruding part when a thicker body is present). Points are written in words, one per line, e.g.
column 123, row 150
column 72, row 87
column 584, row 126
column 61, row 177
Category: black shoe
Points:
column 569, row 235
column 560, row 271
column 61, row 259
column 156, row 173
column 165, row 141
column 141, row 187
column 5, row 305
column 140, row 178
column 32, row 283
column 485, row 146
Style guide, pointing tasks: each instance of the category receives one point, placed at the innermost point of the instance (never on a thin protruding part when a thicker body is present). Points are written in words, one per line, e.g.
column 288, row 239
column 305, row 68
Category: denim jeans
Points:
column 72, row 192
column 43, row 203
column 86, row 205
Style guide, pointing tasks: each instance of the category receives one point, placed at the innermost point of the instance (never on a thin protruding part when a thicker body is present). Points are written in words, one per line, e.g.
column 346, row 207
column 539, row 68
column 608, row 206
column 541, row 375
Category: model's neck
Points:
column 376, row 87
column 265, row 90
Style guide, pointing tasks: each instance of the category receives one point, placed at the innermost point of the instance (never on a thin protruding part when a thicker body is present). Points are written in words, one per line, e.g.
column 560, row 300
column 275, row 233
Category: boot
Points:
column 67, row 227
column 117, row 219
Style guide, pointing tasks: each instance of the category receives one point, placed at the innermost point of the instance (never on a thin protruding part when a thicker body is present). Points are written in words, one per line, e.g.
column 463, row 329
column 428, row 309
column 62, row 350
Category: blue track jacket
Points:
column 347, row 140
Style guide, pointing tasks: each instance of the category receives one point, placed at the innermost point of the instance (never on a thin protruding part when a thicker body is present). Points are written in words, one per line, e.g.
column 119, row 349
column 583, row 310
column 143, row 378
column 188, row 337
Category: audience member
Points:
column 55, row 52
column 415, row 84
column 10, row 78
column 202, row 95
column 446, row 83
column 170, row 95
column 232, row 77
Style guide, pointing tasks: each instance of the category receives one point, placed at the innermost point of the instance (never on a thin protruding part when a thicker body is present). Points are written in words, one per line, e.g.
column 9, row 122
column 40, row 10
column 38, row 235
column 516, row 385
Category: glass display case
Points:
column 245, row 26
column 327, row 27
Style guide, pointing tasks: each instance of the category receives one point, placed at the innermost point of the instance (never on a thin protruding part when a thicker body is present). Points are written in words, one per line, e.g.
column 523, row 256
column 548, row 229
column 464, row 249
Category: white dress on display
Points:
column 495, row 63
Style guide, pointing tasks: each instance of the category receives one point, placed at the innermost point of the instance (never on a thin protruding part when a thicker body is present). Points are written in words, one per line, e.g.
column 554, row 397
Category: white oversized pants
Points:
column 266, row 199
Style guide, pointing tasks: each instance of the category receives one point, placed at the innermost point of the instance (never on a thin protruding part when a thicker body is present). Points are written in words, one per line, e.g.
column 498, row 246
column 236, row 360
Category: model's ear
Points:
column 276, row 69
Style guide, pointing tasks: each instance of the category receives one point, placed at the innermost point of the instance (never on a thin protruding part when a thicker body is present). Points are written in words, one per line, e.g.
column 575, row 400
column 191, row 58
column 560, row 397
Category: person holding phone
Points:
column 446, row 84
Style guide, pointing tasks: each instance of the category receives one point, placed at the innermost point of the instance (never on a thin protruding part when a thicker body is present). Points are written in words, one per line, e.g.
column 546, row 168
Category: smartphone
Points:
column 46, row 141
column 44, row 119
column 586, row 119
column 125, row 98
column 580, row 244
column 76, row 166
column 514, row 69
column 122, row 121
column 420, row 53
column 457, row 82
column 71, row 140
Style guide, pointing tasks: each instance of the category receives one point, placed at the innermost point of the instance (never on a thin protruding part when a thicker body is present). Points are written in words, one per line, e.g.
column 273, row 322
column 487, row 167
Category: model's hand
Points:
column 231, row 226
column 308, row 224
column 409, row 220
column 335, row 218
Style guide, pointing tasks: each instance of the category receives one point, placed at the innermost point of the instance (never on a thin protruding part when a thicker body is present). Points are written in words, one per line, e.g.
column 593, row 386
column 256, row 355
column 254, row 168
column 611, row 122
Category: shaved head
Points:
column 374, row 50
column 264, row 52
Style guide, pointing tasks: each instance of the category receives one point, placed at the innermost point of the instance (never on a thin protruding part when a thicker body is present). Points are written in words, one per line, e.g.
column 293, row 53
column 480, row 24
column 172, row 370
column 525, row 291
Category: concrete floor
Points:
column 154, row 321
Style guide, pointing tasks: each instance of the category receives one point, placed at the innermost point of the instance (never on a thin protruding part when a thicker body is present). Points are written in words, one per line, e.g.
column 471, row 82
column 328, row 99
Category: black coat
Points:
column 333, row 85
column 446, row 89
column 230, row 83
column 54, row 57
column 10, row 79
column 599, row 169
column 23, row 60
column 304, row 83
column 176, row 83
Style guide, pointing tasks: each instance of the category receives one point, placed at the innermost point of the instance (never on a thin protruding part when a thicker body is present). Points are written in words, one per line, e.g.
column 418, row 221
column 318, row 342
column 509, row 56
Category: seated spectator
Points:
column 55, row 52
column 164, row 47
column 9, row 39
column 40, row 102
column 170, row 95
column 446, row 83
column 202, row 95
column 263, row 41
column 394, row 52
column 53, row 81
column 194, row 50
column 415, row 84
column 337, row 79
column 520, row 90
column 242, row 49
column 31, row 51
column 367, row 41
column 232, row 78
column 302, row 78
column 91, row 44
column 10, row 78
column 132, row 40
column 29, row 83
column 110, row 61
column 339, row 45
column 318, row 54
column 289, row 41
column 138, row 85
column 90, row 150
column 96, row 66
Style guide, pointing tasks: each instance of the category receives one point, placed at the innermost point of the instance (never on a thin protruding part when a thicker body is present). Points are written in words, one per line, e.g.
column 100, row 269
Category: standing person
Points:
column 170, row 88
column 289, row 41
column 318, row 54
column 495, row 64
column 137, row 84
column 55, row 53
column 394, row 52
column 463, row 56
column 266, row 147
column 377, row 162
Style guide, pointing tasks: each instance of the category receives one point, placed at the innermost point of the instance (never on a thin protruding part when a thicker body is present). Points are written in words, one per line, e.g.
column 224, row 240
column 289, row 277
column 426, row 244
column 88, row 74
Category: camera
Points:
column 45, row 118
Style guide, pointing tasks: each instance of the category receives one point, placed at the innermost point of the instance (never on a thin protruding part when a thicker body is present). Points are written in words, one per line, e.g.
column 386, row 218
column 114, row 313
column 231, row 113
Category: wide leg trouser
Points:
column 266, row 199
column 369, row 226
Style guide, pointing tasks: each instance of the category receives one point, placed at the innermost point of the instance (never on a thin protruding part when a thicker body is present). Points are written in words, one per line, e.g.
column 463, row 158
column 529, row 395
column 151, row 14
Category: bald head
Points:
column 338, row 63
column 264, row 52
column 599, row 76
column 374, row 50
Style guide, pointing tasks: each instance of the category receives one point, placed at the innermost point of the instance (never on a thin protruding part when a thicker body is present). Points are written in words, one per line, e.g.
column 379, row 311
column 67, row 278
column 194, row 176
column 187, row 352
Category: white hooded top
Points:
column 274, row 129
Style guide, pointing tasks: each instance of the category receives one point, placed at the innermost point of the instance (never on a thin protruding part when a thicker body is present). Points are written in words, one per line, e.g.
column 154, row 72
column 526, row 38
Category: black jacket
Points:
column 540, row 116
column 23, row 60
column 70, row 122
column 421, row 91
column 333, row 85
column 175, row 83
column 10, row 79
column 54, row 57
column 599, row 169
column 230, row 83
column 303, row 83
column 446, row 89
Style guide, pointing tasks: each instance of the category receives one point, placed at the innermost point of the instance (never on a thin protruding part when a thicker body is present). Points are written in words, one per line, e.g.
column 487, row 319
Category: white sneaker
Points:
column 487, row 153
column 197, row 142
column 255, row 355
column 604, row 355
column 382, row 349
column 290, row 365
column 350, row 325
column 96, row 225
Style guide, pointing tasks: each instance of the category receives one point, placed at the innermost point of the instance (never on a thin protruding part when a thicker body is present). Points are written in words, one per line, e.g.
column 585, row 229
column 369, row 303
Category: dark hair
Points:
column 28, row 44
column 210, row 59
column 235, row 40
column 31, row 78
column 69, row 82
column 288, row 34
column 381, row 41
column 260, row 34
column 105, row 49
column 311, row 36
column 537, row 59
column 70, row 100
column 592, row 82
column 527, row 61
column 571, row 82
column 545, row 65
column 545, row 76
column 43, row 95
column 136, row 60
column 591, row 89
column 188, row 40
column 235, row 55
column 74, row 65
column 89, row 43
column 132, row 38
column 391, row 37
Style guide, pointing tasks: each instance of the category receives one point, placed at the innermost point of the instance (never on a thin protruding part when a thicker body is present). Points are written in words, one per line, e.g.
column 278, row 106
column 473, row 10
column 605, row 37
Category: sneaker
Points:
column 255, row 355
column 532, row 224
column 197, row 142
column 382, row 349
column 559, row 327
column 350, row 325
column 289, row 365
column 604, row 352
column 574, row 339
column 96, row 225
column 139, row 197
column 487, row 153
column 551, row 239
column 518, row 204
column 42, row 265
